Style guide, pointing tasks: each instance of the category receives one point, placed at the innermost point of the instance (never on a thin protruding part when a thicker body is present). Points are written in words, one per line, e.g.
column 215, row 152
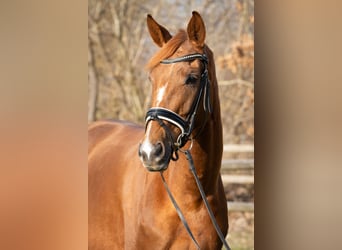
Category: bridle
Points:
column 186, row 127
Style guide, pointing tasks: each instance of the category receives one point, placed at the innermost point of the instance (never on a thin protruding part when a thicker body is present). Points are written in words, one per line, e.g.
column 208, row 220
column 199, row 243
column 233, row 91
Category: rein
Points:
column 186, row 126
column 204, row 198
column 200, row 188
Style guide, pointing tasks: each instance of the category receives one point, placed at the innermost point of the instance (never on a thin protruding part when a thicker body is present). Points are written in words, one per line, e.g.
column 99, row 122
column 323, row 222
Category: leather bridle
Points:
column 186, row 126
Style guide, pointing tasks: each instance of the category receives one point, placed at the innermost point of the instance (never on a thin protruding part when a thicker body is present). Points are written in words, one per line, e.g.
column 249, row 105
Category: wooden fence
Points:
column 238, row 164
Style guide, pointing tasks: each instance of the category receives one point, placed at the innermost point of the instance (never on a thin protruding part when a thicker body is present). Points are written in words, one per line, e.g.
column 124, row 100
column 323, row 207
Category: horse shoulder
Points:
column 101, row 130
column 113, row 162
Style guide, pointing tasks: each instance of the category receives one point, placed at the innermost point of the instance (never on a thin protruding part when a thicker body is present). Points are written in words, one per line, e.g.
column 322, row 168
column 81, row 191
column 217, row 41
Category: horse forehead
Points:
column 187, row 48
column 161, row 74
column 166, row 72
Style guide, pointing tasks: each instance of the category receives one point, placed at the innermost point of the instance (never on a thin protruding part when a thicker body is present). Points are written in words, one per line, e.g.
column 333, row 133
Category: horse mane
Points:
column 168, row 49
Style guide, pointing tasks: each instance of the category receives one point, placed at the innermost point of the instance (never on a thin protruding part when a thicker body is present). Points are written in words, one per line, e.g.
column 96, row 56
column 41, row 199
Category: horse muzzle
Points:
column 155, row 157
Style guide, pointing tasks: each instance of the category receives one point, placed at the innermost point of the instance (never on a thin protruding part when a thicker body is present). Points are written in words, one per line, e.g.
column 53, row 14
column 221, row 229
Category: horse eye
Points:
column 191, row 79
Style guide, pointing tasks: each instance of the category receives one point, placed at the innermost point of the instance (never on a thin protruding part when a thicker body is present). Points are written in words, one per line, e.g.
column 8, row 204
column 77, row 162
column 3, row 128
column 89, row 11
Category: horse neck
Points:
column 206, row 152
column 210, row 141
column 208, row 147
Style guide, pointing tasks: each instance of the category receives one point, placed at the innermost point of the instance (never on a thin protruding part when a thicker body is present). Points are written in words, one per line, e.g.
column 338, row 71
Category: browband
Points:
column 186, row 58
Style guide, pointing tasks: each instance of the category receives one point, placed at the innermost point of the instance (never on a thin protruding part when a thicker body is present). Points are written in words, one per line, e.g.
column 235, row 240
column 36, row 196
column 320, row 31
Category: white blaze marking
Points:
column 160, row 94
column 146, row 145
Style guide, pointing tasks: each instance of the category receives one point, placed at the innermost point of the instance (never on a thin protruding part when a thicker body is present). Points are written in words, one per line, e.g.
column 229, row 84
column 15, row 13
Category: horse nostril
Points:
column 159, row 149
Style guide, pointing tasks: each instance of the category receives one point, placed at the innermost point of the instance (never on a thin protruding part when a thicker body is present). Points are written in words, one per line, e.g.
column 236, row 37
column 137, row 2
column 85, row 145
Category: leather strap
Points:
column 186, row 127
column 204, row 198
column 167, row 115
column 179, row 212
column 186, row 58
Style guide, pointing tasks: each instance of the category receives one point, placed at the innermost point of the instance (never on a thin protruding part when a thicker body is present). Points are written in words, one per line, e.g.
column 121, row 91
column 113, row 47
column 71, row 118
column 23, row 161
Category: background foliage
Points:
column 120, row 46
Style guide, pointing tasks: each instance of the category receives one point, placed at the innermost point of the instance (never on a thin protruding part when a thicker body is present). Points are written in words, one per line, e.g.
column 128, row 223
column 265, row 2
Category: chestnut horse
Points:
column 129, row 207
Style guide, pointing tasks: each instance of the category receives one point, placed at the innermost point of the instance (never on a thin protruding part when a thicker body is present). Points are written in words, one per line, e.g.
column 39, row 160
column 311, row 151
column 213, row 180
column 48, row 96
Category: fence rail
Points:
column 238, row 164
column 237, row 206
column 234, row 164
column 241, row 179
column 238, row 148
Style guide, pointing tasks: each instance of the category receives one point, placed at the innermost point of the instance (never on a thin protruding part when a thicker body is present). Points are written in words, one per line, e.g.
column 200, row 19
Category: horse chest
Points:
column 161, row 229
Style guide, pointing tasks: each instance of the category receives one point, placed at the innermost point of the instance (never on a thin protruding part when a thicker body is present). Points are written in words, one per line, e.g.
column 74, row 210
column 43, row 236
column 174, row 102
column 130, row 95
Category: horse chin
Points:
column 160, row 167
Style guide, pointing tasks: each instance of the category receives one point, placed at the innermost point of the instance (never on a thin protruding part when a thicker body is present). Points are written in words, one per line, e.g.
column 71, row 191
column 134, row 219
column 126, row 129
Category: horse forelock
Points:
column 168, row 49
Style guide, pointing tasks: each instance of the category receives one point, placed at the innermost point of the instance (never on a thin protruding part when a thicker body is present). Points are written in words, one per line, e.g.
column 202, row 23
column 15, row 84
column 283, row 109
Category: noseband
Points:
column 185, row 125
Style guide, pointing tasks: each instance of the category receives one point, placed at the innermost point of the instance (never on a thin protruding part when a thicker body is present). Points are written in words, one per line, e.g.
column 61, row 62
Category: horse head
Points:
column 179, row 76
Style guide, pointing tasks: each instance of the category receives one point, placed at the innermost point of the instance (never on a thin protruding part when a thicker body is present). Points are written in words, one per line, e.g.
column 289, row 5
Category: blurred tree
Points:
column 120, row 46
column 116, row 43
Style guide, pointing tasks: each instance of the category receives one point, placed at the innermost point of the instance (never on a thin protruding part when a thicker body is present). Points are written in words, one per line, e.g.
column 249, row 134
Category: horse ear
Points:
column 159, row 34
column 196, row 29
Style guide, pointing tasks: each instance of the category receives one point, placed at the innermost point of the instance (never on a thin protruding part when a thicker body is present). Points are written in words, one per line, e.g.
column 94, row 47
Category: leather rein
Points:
column 186, row 127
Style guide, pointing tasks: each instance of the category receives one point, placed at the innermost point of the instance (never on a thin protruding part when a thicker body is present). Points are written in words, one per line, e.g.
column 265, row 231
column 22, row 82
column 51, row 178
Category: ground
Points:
column 241, row 230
